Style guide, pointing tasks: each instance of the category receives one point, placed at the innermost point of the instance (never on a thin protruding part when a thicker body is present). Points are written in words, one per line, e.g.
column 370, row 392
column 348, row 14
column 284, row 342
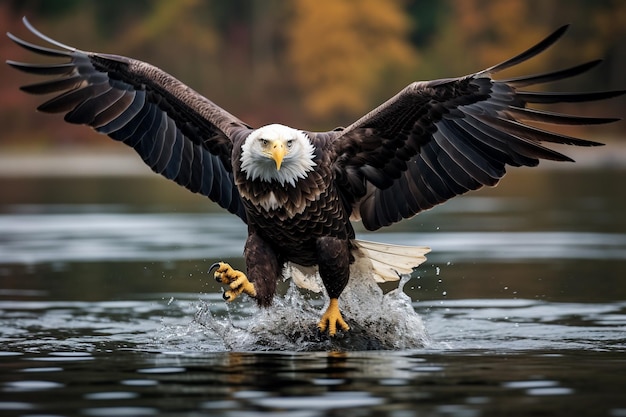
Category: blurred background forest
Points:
column 313, row 64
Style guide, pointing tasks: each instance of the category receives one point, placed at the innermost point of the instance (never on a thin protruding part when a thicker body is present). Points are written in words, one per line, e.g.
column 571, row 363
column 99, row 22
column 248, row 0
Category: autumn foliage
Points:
column 342, row 51
column 312, row 64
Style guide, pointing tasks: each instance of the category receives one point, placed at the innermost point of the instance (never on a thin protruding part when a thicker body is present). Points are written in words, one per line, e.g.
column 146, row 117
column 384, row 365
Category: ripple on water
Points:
column 328, row 401
column 162, row 370
column 32, row 385
column 120, row 411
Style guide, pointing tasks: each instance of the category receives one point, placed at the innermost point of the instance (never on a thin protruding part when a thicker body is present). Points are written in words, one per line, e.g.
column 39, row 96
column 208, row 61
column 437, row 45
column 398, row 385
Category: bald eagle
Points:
column 298, row 191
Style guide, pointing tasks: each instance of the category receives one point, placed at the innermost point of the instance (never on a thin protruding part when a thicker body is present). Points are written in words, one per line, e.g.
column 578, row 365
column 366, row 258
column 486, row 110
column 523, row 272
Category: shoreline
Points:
column 104, row 162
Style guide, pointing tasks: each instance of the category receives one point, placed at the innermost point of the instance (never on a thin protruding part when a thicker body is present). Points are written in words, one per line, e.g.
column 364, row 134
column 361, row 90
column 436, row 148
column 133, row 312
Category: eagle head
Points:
column 277, row 153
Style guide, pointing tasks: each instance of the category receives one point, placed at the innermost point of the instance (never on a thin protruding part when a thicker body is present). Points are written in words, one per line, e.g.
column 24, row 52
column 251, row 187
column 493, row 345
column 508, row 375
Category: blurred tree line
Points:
column 313, row 64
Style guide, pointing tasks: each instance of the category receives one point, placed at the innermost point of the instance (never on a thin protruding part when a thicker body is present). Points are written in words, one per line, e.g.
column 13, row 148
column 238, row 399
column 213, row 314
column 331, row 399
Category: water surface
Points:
column 106, row 308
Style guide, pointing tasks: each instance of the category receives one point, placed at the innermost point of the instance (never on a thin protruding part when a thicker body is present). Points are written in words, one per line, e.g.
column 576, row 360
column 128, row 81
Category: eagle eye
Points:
column 264, row 142
column 289, row 143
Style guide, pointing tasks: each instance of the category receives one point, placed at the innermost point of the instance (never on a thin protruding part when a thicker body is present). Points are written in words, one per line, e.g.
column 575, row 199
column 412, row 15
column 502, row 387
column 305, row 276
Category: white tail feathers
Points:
column 384, row 261
column 388, row 261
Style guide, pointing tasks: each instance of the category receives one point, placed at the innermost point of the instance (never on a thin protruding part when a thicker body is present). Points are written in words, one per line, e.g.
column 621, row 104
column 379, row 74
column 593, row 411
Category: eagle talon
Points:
column 236, row 280
column 332, row 319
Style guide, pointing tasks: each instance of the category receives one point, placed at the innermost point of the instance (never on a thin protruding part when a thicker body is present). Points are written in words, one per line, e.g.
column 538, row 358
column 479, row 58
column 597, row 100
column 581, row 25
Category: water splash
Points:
column 377, row 321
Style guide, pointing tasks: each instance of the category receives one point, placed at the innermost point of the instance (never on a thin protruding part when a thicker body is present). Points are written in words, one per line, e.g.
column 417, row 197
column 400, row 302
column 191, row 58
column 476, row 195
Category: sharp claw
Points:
column 225, row 296
column 212, row 267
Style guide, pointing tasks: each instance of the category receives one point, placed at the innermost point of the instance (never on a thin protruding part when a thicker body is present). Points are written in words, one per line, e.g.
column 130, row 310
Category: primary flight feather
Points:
column 298, row 191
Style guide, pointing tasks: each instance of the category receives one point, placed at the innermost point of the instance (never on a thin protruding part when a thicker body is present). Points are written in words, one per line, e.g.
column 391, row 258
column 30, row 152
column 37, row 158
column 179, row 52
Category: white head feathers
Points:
column 277, row 153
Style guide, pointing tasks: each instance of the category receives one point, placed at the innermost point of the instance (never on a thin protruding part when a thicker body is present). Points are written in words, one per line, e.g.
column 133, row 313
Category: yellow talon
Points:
column 332, row 318
column 236, row 280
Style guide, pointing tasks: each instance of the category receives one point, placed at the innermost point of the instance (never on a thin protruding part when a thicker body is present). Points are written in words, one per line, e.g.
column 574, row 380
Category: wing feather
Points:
column 438, row 139
column 173, row 164
column 466, row 155
column 176, row 131
column 430, row 187
column 43, row 69
column 120, row 116
column 547, row 77
column 46, row 87
column 169, row 140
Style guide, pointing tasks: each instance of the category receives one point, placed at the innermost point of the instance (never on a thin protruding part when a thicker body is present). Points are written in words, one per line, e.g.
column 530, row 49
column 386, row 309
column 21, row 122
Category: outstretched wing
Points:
column 438, row 139
column 176, row 131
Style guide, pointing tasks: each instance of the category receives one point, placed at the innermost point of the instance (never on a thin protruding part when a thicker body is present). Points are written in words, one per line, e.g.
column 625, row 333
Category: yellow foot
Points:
column 236, row 280
column 332, row 318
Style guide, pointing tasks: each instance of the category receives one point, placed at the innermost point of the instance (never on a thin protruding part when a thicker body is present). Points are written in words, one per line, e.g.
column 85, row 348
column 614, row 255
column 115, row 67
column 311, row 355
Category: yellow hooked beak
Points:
column 278, row 153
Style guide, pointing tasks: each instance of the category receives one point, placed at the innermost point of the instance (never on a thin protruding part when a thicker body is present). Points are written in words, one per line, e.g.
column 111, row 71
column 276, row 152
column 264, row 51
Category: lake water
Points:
column 106, row 307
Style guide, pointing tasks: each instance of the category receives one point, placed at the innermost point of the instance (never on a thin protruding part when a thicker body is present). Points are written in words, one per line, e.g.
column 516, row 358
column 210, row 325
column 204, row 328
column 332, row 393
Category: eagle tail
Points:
column 388, row 262
column 385, row 262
